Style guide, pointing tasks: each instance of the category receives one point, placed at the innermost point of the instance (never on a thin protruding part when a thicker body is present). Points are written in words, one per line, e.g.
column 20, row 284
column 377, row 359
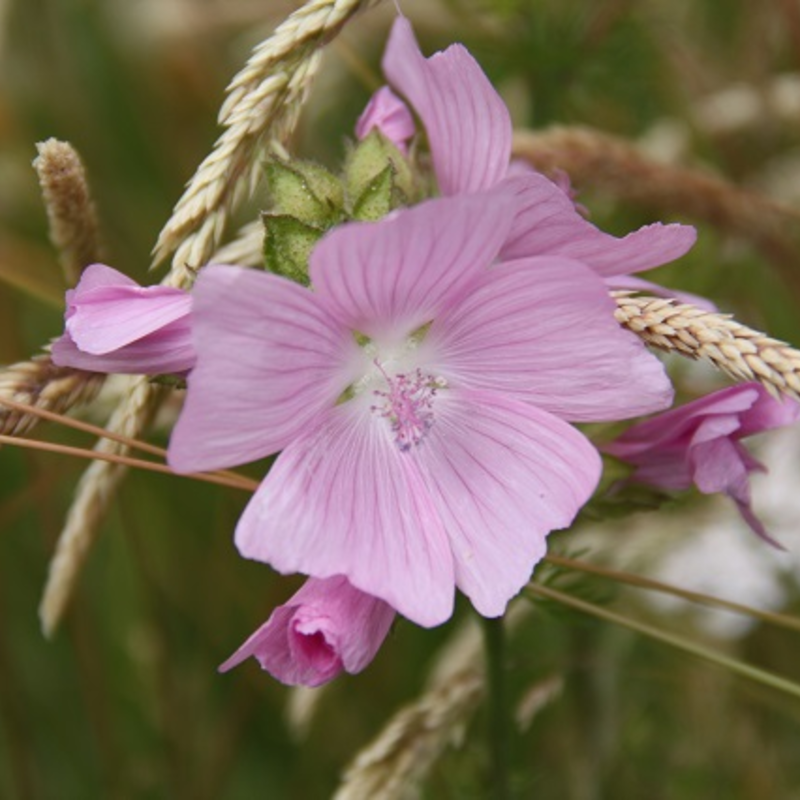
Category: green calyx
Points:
column 288, row 243
column 305, row 191
column 377, row 178
column 307, row 200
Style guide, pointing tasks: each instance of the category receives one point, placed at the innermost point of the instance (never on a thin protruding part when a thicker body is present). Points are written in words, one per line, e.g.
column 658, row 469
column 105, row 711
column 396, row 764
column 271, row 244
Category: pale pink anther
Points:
column 408, row 405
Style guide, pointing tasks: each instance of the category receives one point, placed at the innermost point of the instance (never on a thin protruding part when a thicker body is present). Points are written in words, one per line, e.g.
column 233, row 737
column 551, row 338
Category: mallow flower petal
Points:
column 723, row 465
column 745, row 408
column 97, row 275
column 542, row 330
column 345, row 500
column 467, row 122
column 717, row 466
column 105, row 318
column 698, row 443
column 502, row 474
column 390, row 277
column 326, row 627
column 768, row 412
column 269, row 360
column 548, row 223
column 168, row 350
column 665, row 468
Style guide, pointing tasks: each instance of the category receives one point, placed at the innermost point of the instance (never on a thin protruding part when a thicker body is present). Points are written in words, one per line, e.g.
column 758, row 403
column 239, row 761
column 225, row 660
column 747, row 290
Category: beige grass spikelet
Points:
column 262, row 102
column 411, row 743
column 72, row 225
column 394, row 765
column 741, row 352
column 40, row 383
column 246, row 249
column 92, row 497
column 71, row 213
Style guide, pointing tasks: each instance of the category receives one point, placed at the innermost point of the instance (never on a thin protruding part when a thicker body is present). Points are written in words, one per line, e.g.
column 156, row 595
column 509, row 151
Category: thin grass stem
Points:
column 687, row 646
column 103, row 433
column 495, row 650
column 232, row 480
column 641, row 582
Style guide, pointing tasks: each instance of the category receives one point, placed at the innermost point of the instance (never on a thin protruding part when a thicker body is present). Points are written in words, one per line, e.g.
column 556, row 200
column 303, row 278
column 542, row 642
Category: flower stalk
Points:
column 496, row 705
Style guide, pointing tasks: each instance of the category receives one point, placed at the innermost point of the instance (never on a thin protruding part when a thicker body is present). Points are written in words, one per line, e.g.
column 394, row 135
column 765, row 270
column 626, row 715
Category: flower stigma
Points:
column 403, row 393
column 408, row 405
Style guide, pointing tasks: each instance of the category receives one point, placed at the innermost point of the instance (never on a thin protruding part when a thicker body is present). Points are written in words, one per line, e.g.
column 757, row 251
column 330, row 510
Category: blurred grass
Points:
column 125, row 702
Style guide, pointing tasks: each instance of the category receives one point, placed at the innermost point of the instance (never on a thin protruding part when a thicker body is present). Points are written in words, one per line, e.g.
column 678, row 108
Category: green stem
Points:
column 494, row 646
column 641, row 582
column 735, row 666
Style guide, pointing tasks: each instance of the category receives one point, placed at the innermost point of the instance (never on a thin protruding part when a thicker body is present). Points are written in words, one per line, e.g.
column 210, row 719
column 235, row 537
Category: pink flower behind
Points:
column 327, row 627
column 698, row 444
column 114, row 325
column 469, row 132
column 387, row 113
column 420, row 399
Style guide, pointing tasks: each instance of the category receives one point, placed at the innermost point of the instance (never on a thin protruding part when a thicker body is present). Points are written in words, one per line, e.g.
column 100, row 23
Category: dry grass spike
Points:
column 40, row 383
column 741, row 352
column 392, row 767
column 263, row 101
column 70, row 210
column 395, row 764
column 94, row 493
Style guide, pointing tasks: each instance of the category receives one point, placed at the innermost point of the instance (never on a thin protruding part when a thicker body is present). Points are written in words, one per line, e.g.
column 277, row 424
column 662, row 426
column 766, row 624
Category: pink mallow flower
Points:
column 469, row 133
column 698, row 444
column 387, row 113
column 420, row 398
column 114, row 325
column 327, row 627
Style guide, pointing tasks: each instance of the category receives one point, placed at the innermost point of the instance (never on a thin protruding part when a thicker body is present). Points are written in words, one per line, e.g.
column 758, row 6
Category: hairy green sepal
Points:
column 307, row 200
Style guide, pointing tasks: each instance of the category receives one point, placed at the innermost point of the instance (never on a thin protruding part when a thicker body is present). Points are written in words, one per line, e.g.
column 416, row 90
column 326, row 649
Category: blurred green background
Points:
column 125, row 702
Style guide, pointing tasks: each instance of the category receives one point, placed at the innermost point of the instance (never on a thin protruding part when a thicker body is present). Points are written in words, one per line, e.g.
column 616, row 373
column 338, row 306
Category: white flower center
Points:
column 403, row 393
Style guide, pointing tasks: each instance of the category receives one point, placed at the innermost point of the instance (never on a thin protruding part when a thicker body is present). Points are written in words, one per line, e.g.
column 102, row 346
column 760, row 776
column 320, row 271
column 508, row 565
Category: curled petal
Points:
column 743, row 410
column 107, row 310
column 547, row 223
column 326, row 627
column 168, row 350
column 723, row 465
column 698, row 443
column 114, row 325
